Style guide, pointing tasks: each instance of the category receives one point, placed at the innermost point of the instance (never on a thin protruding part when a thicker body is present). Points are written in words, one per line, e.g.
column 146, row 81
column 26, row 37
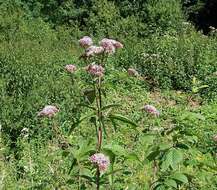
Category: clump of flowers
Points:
column 132, row 72
column 48, row 111
column 151, row 109
column 101, row 161
column 70, row 68
column 95, row 70
column 110, row 45
column 94, row 50
column 85, row 42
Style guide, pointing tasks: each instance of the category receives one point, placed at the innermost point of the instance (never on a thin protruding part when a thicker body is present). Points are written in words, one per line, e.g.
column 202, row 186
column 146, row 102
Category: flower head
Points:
column 94, row 50
column 70, row 68
column 85, row 42
column 151, row 109
column 96, row 70
column 48, row 111
column 110, row 45
column 132, row 72
column 117, row 44
column 101, row 161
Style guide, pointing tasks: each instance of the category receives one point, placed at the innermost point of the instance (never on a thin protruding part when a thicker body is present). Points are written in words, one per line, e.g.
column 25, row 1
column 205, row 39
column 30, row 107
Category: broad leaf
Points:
column 89, row 95
column 180, row 177
column 123, row 119
column 171, row 183
column 172, row 158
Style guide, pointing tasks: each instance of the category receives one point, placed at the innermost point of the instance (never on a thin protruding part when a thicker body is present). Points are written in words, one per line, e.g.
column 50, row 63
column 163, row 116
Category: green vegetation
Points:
column 177, row 73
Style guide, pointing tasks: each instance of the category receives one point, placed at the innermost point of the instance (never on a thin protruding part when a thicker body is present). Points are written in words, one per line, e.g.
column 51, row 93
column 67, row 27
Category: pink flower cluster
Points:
column 94, row 50
column 132, row 72
column 95, row 70
column 110, row 45
column 152, row 110
column 101, row 161
column 71, row 68
column 48, row 111
column 106, row 46
column 85, row 42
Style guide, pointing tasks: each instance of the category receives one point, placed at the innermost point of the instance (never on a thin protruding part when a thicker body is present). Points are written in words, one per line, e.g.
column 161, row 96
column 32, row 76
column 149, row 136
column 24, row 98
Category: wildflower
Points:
column 70, row 68
column 96, row 70
column 94, row 50
column 85, row 42
column 101, row 161
column 132, row 72
column 110, row 45
column 48, row 111
column 215, row 138
column 117, row 44
column 152, row 110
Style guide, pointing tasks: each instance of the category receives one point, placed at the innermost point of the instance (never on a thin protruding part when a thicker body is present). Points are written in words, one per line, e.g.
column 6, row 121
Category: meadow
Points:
column 109, row 95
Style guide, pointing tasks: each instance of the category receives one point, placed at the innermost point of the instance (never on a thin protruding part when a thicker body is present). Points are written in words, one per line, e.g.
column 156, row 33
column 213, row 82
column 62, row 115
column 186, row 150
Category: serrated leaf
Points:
column 172, row 158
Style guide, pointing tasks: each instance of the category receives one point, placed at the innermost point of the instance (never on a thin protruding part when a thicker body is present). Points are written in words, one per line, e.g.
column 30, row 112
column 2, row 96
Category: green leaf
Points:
column 153, row 155
column 110, row 106
column 133, row 157
column 165, row 146
column 85, row 149
column 172, row 158
column 114, row 124
column 116, row 149
column 91, row 179
column 123, row 119
column 148, row 139
column 89, row 95
column 112, row 172
column 111, row 155
column 74, row 162
column 171, row 183
column 87, row 106
column 76, row 124
column 180, row 177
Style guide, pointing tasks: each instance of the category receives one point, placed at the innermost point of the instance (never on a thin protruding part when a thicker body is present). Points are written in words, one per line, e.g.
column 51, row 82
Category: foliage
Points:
column 176, row 73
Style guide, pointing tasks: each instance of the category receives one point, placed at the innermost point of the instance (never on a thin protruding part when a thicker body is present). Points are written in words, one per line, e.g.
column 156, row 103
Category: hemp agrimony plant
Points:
column 95, row 58
column 96, row 70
